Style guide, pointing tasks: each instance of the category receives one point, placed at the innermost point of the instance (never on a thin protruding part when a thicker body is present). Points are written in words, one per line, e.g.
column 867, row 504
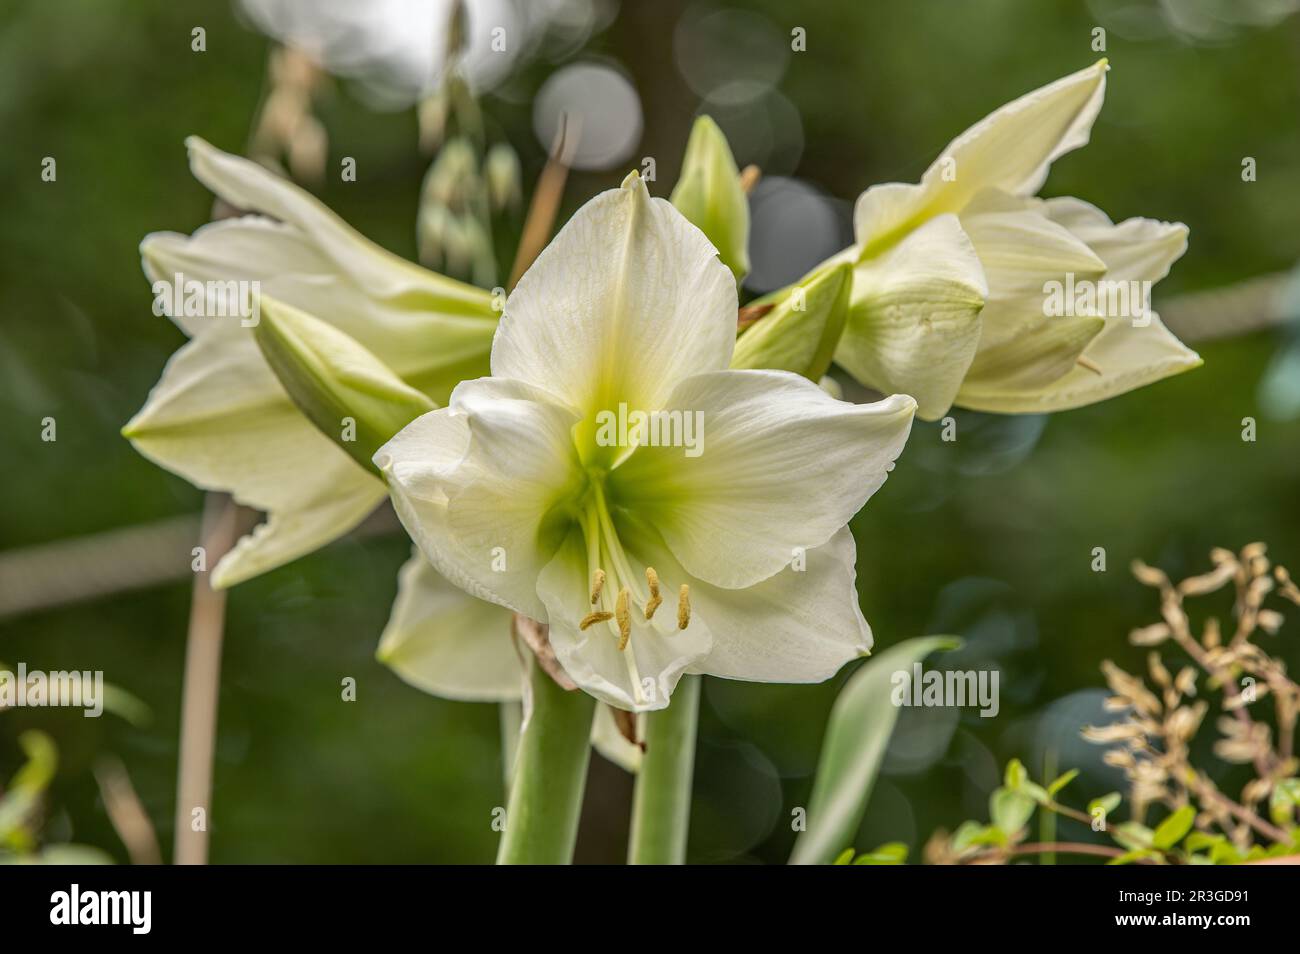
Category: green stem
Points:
column 549, row 778
column 661, row 808
column 512, row 716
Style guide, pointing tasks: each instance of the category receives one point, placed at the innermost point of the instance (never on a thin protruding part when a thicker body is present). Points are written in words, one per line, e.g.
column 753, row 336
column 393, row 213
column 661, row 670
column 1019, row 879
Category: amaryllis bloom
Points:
column 961, row 281
column 221, row 419
column 614, row 479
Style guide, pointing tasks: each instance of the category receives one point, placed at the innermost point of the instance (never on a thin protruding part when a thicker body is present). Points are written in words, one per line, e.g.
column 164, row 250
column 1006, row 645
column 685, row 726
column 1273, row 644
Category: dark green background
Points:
column 990, row 537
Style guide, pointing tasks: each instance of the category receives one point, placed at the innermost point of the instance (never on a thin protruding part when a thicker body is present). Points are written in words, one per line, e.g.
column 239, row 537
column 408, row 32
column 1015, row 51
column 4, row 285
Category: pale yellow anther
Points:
column 597, row 584
column 684, row 606
column 591, row 619
column 623, row 615
column 655, row 600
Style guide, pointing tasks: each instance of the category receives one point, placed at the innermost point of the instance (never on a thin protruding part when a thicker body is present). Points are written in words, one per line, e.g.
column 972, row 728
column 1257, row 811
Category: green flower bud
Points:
column 343, row 389
column 802, row 328
column 710, row 195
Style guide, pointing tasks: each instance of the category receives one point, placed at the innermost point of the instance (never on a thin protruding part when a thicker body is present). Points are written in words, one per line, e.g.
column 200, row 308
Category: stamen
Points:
column 655, row 600
column 684, row 606
column 591, row 619
column 597, row 584
column 624, row 617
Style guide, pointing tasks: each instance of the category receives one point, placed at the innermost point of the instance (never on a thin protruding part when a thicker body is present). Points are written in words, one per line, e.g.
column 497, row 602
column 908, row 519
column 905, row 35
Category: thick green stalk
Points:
column 549, row 777
column 661, row 808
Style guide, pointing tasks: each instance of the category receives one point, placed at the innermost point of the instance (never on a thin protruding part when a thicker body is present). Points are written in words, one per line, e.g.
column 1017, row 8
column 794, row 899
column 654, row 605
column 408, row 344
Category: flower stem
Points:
column 549, row 777
column 201, row 687
column 661, row 807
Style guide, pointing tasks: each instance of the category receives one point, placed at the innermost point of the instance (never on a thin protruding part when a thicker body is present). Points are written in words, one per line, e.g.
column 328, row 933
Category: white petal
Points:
column 1136, row 249
column 219, row 418
column 1010, row 149
column 252, row 188
column 914, row 321
column 641, row 677
column 1013, row 147
column 474, row 485
column 1034, row 359
column 783, row 467
column 1130, row 355
column 628, row 299
column 447, row 643
column 1022, row 251
column 797, row 626
column 413, row 339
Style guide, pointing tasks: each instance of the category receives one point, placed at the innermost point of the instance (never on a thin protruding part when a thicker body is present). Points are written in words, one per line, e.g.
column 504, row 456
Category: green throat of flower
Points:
column 615, row 588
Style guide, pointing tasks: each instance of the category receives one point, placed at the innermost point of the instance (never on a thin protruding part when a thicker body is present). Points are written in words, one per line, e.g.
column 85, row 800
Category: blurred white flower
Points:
column 398, row 48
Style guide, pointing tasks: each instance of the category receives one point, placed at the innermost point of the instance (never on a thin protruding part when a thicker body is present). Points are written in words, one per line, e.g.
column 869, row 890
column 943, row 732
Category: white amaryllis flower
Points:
column 220, row 418
column 952, row 275
column 729, row 557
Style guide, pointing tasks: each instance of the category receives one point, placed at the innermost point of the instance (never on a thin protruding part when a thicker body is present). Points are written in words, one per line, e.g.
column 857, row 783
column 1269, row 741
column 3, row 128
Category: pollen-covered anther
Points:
column 591, row 619
column 623, row 614
column 597, row 584
column 684, row 606
column 655, row 601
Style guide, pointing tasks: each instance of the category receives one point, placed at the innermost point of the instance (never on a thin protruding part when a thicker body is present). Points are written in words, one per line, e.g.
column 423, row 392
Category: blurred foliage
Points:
column 990, row 538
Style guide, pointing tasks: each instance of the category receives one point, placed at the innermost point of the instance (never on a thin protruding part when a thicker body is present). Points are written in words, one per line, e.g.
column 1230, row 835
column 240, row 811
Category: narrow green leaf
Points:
column 891, row 853
column 856, row 737
column 1171, row 831
column 1015, row 774
column 1132, row 836
column 1061, row 782
column 1107, row 803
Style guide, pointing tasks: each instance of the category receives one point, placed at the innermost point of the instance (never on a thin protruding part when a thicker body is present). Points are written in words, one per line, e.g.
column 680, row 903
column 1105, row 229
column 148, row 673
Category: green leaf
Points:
column 1132, row 836
column 1010, row 810
column 351, row 396
column 801, row 331
column 1198, row 840
column 892, row 853
column 856, row 737
column 1036, row 792
column 22, row 798
column 709, row 194
column 1107, row 803
column 844, row 858
column 1285, row 797
column 1015, row 775
column 1131, row 856
column 1225, row 853
column 1061, row 782
column 1171, row 831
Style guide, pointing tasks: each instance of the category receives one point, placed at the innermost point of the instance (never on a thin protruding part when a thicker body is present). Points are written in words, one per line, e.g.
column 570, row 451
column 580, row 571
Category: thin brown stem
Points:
column 540, row 221
column 202, row 681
